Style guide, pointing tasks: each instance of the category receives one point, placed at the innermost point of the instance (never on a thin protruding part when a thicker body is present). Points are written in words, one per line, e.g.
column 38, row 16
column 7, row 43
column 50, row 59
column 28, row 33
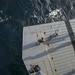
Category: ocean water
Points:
column 11, row 49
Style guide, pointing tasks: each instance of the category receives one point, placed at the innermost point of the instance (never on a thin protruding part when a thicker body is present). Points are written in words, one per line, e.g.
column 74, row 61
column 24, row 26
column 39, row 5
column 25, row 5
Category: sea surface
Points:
column 11, row 49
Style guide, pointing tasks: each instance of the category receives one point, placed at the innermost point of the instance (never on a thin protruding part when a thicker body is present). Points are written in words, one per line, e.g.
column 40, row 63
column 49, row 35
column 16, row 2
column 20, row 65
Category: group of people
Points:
column 48, row 38
column 35, row 69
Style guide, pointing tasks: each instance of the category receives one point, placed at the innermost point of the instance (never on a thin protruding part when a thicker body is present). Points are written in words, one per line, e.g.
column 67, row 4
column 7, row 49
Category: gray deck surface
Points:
column 56, row 59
